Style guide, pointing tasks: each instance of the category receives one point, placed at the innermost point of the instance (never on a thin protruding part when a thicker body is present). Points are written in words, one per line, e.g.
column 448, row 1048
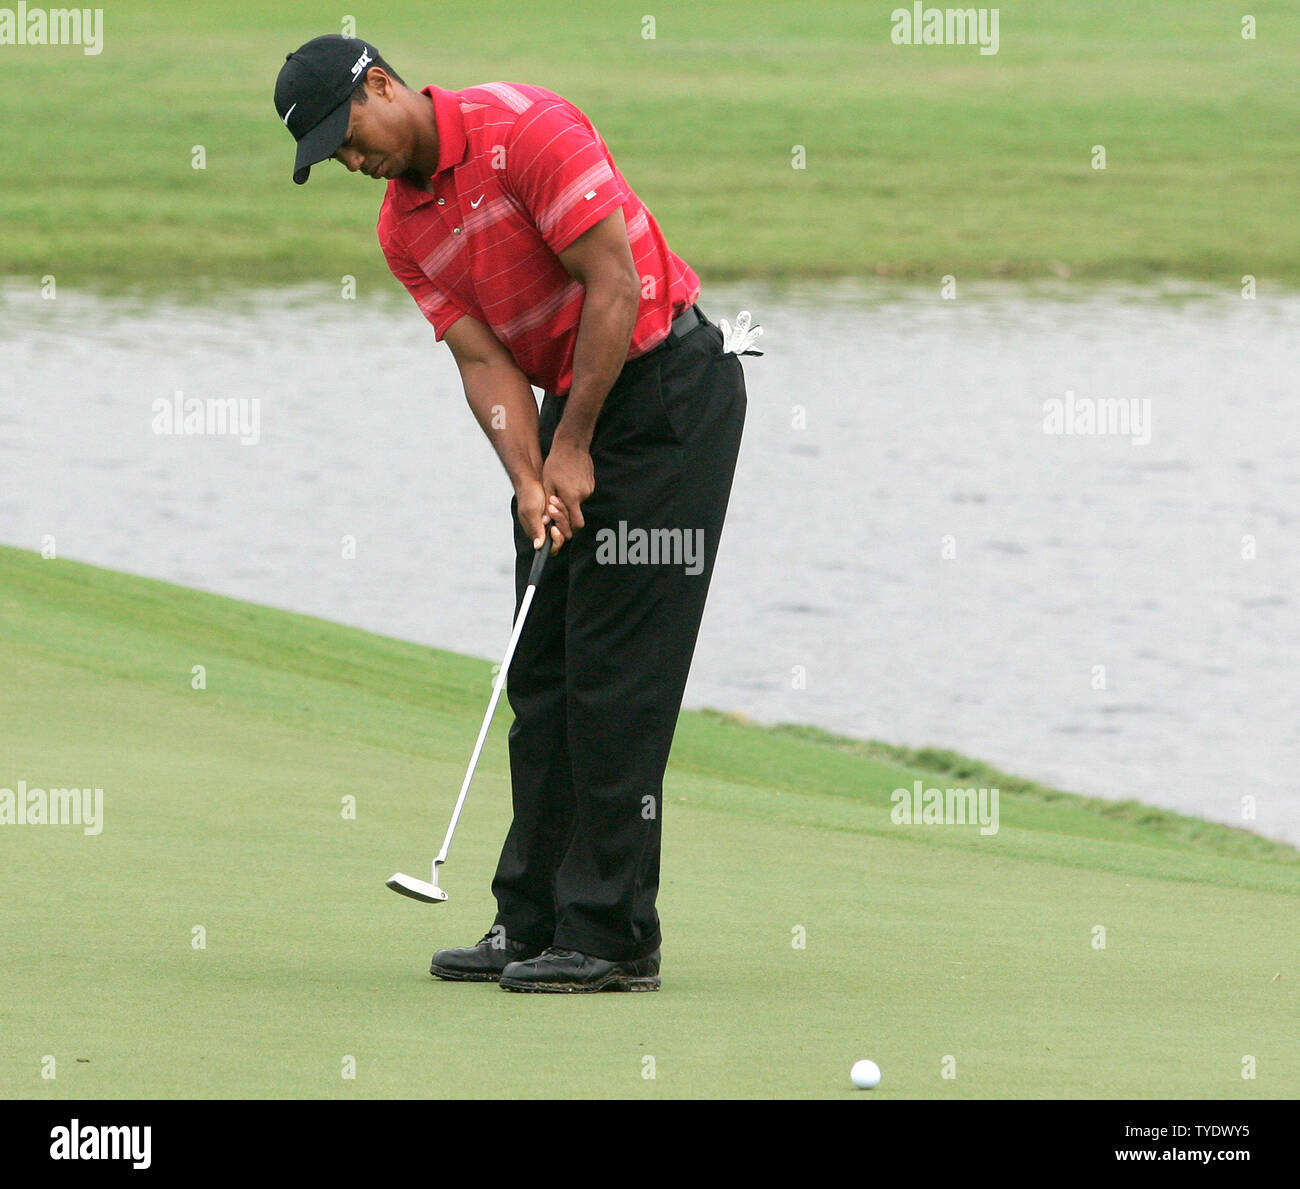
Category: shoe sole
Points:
column 463, row 976
column 611, row 982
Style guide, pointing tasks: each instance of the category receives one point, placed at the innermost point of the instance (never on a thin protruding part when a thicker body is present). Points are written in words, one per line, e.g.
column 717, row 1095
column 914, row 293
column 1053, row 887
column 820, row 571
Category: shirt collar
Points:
column 452, row 145
column 451, row 127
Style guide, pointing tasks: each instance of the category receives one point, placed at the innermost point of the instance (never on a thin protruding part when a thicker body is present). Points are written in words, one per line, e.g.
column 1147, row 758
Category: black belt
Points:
column 683, row 324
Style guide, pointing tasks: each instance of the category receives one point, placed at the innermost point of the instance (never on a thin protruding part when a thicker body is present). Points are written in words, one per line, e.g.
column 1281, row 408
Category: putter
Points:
column 430, row 892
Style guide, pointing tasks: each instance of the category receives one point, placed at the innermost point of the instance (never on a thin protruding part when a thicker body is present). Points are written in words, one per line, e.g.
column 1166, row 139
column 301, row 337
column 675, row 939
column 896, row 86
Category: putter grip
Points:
column 539, row 560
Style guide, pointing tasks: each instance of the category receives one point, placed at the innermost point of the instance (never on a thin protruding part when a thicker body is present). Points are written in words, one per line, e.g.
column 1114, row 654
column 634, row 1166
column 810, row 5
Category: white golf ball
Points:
column 865, row 1075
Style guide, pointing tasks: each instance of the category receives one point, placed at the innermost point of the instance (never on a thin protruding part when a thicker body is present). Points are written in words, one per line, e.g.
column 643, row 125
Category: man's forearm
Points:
column 604, row 332
column 504, row 406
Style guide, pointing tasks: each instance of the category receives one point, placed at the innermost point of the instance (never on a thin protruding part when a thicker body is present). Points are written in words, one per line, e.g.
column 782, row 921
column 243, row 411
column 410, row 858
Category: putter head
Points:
column 417, row 889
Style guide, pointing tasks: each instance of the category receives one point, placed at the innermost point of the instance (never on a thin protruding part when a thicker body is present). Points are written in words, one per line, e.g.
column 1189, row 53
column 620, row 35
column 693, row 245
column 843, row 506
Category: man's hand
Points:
column 533, row 517
column 568, row 478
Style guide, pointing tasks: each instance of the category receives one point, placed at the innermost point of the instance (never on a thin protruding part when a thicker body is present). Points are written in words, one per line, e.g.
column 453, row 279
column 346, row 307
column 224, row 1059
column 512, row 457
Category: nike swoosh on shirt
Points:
column 474, row 205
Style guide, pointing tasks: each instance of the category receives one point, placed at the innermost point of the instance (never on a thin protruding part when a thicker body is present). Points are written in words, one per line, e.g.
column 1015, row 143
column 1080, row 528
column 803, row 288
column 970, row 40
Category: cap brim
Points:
column 323, row 141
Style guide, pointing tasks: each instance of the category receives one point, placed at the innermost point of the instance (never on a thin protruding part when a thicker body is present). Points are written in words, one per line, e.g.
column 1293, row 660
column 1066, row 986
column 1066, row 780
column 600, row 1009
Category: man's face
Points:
column 378, row 141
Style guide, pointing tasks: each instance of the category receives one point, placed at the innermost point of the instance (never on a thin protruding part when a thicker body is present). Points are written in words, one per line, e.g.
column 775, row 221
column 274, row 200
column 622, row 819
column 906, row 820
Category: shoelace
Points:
column 497, row 941
column 551, row 951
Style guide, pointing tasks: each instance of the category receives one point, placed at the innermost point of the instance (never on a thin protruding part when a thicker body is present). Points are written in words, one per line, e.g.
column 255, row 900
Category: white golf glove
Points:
column 740, row 340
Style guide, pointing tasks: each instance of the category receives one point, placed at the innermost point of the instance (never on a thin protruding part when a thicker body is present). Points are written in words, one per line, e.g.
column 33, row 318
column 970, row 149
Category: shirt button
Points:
column 442, row 202
column 455, row 231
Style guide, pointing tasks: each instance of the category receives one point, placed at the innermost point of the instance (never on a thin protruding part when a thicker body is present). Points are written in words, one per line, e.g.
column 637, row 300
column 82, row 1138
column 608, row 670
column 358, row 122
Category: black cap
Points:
column 312, row 93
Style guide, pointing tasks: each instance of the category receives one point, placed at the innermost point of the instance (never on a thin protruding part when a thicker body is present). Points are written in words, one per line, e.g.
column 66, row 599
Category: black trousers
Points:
column 597, row 679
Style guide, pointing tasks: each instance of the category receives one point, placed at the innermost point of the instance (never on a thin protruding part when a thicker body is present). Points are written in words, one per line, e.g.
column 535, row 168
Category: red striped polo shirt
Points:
column 521, row 174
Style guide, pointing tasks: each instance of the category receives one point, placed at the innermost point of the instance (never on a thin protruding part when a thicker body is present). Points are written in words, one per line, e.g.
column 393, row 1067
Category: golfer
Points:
column 506, row 218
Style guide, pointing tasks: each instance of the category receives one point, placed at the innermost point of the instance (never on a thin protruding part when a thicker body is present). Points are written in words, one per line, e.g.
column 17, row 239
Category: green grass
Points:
column 223, row 809
column 921, row 160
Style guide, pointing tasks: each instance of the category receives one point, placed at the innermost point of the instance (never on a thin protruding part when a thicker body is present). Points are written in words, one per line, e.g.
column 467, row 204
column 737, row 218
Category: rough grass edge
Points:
column 1230, row 841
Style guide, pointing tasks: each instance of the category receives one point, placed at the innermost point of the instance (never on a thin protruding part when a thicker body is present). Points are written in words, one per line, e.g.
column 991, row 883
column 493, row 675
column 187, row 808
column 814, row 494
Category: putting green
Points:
column 928, row 948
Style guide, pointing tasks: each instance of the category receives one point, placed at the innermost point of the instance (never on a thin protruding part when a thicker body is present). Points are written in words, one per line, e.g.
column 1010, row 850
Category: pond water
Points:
column 912, row 553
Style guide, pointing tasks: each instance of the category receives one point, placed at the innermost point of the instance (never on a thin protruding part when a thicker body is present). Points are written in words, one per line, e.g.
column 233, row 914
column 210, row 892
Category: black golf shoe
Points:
column 482, row 963
column 567, row 970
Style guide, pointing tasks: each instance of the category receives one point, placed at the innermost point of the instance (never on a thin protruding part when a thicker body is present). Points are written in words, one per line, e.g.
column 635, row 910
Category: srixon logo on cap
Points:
column 361, row 63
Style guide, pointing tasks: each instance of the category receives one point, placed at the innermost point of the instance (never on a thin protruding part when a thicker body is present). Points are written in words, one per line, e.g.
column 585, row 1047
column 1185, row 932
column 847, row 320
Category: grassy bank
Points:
column 920, row 160
column 224, row 809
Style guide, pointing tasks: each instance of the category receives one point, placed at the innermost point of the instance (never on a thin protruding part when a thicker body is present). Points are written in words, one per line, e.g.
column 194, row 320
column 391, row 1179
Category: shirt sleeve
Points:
column 435, row 305
column 558, row 167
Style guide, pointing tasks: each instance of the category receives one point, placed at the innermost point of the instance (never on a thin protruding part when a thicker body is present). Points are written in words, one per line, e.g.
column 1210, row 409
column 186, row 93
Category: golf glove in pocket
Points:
column 739, row 341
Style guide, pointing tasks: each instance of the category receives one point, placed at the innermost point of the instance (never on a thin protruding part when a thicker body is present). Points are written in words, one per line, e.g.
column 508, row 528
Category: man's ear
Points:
column 380, row 84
